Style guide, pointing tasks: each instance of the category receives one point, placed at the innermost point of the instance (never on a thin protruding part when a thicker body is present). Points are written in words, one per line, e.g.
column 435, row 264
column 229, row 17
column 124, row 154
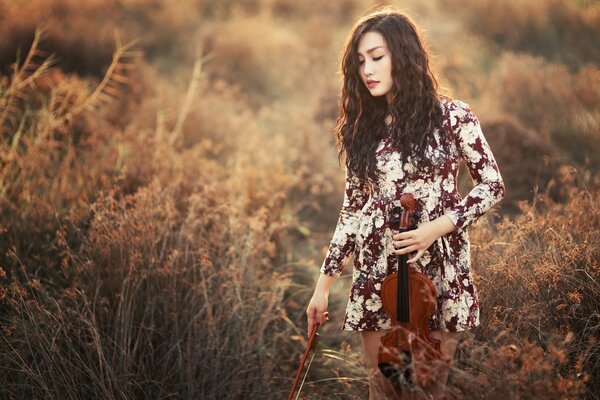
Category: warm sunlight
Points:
column 170, row 188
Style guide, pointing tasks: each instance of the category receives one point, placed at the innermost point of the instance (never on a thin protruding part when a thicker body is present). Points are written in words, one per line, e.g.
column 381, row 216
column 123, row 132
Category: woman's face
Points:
column 375, row 61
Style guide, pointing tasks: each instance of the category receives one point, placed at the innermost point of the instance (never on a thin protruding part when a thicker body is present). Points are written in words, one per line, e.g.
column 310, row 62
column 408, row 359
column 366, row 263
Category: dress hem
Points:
column 466, row 329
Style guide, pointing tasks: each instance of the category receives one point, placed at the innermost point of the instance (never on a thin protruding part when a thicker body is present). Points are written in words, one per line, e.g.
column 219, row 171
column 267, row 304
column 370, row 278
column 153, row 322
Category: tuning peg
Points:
column 394, row 222
column 394, row 219
column 414, row 219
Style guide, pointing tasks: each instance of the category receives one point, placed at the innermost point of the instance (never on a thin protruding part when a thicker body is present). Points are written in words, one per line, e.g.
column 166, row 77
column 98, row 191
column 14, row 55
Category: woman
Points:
column 398, row 134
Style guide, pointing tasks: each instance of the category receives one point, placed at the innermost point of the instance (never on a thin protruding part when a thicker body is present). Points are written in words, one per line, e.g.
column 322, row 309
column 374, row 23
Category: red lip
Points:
column 371, row 83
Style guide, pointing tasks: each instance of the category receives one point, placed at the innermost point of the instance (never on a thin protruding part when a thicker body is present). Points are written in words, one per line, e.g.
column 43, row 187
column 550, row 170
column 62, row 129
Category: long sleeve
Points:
column 342, row 244
column 472, row 146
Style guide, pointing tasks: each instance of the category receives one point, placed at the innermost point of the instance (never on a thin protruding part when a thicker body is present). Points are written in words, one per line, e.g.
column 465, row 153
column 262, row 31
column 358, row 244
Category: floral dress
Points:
column 362, row 229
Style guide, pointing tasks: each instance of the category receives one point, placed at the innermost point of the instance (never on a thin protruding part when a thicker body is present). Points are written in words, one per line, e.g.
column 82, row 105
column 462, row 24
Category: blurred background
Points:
column 169, row 185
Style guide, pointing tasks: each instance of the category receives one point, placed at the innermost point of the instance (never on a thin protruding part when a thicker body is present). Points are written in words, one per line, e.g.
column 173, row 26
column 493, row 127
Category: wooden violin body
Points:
column 408, row 353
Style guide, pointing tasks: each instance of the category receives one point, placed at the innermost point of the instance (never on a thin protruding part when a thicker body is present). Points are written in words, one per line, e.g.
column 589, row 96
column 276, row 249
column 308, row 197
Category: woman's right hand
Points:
column 316, row 310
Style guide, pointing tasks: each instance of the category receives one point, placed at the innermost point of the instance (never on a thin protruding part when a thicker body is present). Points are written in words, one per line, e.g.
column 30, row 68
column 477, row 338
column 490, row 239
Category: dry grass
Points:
column 538, row 278
column 164, row 204
column 124, row 306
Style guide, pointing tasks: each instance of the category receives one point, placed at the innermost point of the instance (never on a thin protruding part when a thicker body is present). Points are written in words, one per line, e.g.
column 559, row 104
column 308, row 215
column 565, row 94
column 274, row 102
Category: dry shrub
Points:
column 335, row 374
column 154, row 253
column 82, row 33
column 526, row 162
column 559, row 30
column 341, row 11
column 563, row 108
column 55, row 154
column 265, row 59
column 538, row 279
column 168, row 302
column 66, row 22
column 224, row 9
column 514, row 368
column 221, row 120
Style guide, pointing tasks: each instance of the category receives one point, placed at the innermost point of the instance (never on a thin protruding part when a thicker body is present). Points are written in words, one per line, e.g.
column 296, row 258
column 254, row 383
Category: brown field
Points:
column 169, row 185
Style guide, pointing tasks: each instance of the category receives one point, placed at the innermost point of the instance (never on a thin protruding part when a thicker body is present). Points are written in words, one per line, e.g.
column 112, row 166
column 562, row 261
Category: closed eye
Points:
column 374, row 59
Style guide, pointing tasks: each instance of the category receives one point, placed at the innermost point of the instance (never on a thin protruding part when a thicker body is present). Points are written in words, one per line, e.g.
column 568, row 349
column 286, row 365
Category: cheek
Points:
column 388, row 69
column 360, row 73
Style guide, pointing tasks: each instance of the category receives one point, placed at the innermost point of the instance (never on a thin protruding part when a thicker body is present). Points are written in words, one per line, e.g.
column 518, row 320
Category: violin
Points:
column 408, row 353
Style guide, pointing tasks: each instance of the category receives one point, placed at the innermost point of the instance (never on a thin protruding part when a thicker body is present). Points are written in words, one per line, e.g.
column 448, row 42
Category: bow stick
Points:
column 313, row 340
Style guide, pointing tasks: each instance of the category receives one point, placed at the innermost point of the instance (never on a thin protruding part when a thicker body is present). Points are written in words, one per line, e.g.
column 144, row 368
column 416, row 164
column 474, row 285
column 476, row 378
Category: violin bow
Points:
column 313, row 340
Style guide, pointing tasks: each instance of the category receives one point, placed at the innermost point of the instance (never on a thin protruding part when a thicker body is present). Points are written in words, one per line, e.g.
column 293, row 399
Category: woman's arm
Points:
column 474, row 149
column 488, row 190
column 341, row 246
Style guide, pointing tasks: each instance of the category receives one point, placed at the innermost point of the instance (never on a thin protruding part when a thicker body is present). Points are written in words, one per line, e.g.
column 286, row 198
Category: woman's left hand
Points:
column 417, row 240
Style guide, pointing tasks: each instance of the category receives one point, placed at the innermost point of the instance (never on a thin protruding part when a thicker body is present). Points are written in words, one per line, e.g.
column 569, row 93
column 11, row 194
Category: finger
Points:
column 311, row 324
column 402, row 235
column 322, row 318
column 403, row 243
column 407, row 250
column 311, row 318
column 319, row 318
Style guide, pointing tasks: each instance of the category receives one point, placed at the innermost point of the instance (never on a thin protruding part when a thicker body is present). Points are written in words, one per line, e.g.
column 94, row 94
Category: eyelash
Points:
column 375, row 59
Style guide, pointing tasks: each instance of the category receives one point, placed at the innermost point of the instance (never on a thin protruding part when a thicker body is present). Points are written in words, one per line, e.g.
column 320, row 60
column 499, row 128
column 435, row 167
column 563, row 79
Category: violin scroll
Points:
column 399, row 218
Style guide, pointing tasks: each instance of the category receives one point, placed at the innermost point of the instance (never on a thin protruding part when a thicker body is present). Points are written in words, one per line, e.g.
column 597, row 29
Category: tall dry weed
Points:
column 162, row 280
column 47, row 139
column 166, row 304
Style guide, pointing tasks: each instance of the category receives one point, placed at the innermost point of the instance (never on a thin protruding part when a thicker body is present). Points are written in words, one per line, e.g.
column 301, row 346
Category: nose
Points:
column 367, row 68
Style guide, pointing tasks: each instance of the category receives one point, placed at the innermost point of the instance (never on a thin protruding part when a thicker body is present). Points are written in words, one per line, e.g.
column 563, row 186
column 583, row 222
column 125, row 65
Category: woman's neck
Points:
column 388, row 119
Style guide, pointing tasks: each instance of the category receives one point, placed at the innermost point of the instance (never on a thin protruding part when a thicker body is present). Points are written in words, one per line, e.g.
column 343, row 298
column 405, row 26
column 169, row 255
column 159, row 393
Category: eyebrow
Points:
column 370, row 50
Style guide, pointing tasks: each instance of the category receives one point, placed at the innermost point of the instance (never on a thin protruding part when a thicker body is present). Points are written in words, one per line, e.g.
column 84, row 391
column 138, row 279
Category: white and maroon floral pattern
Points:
column 362, row 228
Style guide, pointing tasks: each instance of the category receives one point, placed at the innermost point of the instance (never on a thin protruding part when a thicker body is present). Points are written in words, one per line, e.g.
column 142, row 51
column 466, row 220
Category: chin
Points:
column 377, row 94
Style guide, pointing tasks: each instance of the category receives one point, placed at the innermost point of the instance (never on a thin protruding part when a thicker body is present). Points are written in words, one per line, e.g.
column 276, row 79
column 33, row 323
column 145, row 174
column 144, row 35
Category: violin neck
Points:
column 403, row 305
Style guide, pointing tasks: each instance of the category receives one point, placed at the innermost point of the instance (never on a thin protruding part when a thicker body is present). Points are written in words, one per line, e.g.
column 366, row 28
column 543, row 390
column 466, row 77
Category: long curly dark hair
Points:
column 415, row 105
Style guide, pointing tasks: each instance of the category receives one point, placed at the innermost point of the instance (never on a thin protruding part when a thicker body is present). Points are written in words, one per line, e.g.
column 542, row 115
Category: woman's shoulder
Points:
column 456, row 110
column 449, row 104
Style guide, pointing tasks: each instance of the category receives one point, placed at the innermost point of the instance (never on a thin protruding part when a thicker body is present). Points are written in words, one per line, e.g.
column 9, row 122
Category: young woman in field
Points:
column 398, row 134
